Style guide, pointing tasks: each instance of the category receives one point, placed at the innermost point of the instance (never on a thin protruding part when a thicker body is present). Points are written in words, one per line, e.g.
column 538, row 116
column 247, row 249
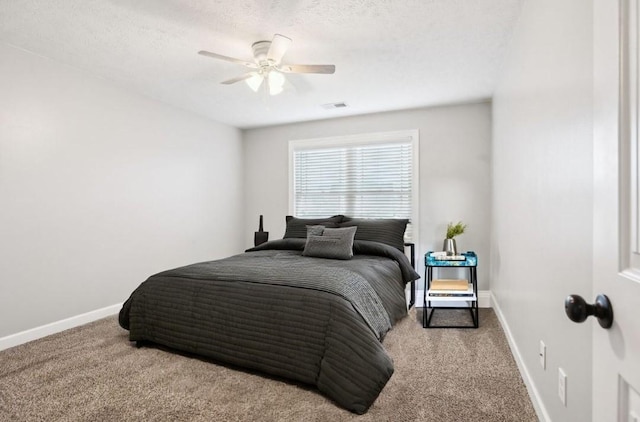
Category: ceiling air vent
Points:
column 332, row 106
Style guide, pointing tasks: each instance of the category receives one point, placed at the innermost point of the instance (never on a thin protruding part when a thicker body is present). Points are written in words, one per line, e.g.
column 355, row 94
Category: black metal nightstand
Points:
column 470, row 296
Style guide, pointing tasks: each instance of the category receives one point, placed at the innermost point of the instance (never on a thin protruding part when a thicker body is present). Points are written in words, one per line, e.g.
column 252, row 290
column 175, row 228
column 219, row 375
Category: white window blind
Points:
column 367, row 180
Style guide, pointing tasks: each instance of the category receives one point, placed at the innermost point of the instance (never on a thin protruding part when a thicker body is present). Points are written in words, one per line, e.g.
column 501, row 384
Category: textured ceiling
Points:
column 389, row 54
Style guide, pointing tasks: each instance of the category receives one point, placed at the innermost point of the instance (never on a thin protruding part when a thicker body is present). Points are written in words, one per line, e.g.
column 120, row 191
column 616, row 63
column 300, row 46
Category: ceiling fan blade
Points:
column 228, row 59
column 279, row 45
column 307, row 68
column 238, row 78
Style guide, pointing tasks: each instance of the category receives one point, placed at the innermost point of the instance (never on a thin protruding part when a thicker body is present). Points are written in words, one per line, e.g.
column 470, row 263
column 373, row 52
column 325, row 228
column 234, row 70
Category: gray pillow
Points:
column 297, row 227
column 333, row 244
column 389, row 231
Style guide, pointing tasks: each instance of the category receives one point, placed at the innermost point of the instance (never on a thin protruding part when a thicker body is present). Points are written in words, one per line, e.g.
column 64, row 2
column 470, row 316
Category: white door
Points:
column 616, row 351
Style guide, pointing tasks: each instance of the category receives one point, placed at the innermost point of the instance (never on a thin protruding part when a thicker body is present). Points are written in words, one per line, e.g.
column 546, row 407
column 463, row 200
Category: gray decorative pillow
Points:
column 333, row 244
column 297, row 227
column 389, row 231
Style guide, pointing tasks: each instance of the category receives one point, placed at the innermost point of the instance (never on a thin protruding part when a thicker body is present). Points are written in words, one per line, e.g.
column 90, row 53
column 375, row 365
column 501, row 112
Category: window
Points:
column 368, row 176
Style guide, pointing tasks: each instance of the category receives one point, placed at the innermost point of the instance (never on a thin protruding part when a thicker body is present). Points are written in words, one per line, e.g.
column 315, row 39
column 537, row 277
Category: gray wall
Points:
column 101, row 188
column 455, row 171
column 542, row 187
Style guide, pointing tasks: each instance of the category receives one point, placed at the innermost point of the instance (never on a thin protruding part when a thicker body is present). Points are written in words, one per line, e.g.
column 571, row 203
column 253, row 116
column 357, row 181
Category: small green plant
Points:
column 454, row 230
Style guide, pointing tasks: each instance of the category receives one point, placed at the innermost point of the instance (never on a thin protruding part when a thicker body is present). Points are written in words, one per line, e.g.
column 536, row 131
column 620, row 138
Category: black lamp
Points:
column 260, row 236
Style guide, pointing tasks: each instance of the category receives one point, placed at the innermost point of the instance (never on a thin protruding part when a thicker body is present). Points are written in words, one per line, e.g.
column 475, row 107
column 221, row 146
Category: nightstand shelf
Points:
column 441, row 293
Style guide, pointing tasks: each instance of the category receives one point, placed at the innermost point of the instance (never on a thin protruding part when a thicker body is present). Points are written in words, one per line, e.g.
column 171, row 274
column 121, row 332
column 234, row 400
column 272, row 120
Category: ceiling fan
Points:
column 267, row 65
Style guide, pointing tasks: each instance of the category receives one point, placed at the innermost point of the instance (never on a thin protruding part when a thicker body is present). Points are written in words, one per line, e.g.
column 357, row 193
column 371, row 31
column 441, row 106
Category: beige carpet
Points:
column 93, row 373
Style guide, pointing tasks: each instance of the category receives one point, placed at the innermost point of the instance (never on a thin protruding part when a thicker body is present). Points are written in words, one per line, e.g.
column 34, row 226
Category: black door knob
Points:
column 578, row 309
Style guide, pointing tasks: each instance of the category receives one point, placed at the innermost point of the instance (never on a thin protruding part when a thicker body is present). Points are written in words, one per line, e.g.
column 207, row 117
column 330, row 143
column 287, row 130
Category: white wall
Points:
column 455, row 172
column 100, row 189
column 542, row 187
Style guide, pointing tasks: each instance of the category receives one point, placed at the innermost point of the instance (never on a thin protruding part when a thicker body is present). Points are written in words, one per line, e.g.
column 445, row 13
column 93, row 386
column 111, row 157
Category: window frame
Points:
column 411, row 135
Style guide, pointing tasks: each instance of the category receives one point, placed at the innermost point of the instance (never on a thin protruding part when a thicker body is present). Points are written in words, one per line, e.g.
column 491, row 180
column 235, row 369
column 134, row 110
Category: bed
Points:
column 286, row 309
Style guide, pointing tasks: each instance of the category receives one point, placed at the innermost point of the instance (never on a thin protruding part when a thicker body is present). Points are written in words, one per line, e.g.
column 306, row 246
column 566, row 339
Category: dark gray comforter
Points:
column 312, row 320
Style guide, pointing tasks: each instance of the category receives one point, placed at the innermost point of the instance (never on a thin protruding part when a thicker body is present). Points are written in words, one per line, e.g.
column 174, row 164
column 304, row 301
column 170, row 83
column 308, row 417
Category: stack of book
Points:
column 450, row 288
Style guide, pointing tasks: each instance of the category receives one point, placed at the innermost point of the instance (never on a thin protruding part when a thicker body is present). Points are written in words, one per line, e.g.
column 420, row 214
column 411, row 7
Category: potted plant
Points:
column 453, row 230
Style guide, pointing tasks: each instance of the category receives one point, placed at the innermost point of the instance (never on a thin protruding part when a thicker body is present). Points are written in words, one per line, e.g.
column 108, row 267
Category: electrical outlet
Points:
column 543, row 355
column 562, row 386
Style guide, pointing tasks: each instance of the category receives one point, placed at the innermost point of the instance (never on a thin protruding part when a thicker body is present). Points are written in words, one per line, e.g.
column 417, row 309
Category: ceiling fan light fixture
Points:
column 275, row 90
column 254, row 82
column 276, row 82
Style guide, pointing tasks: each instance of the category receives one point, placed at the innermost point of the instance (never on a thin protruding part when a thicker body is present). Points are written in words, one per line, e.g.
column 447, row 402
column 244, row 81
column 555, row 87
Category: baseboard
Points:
column 536, row 399
column 55, row 327
column 484, row 299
